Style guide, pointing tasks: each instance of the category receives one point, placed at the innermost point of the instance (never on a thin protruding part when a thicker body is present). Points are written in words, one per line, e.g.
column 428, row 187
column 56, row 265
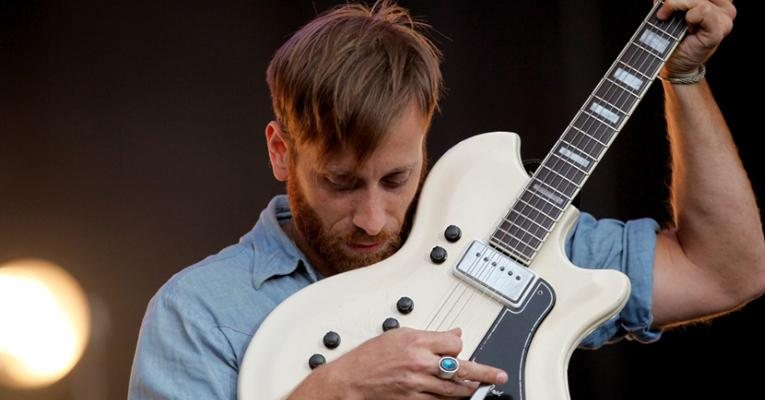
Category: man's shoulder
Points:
column 225, row 267
column 212, row 293
column 223, row 290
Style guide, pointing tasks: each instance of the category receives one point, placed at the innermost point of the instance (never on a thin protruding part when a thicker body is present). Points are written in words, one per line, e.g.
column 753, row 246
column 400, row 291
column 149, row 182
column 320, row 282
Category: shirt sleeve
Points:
column 628, row 247
column 181, row 353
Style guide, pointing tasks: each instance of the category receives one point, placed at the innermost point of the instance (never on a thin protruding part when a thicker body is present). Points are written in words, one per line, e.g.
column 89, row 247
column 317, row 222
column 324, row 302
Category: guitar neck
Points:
column 584, row 142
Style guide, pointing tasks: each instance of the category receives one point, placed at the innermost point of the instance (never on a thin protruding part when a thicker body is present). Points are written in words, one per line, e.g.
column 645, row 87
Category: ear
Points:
column 278, row 151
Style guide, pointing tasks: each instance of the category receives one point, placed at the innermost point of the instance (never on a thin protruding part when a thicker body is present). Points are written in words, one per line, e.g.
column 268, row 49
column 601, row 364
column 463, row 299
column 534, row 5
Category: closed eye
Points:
column 340, row 184
column 396, row 180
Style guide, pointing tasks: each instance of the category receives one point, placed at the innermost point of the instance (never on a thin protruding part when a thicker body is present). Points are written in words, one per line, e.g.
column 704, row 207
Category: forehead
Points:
column 401, row 147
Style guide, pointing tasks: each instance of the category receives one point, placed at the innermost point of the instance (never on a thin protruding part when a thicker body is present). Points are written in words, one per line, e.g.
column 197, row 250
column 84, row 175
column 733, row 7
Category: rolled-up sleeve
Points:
column 628, row 247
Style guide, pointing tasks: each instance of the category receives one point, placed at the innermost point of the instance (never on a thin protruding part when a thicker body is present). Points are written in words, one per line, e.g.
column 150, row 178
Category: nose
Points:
column 369, row 214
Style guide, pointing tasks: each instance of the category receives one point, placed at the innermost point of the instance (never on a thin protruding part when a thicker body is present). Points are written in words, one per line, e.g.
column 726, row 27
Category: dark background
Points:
column 132, row 145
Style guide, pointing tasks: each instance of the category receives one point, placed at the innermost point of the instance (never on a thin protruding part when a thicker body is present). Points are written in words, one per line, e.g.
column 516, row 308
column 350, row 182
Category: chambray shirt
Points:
column 198, row 325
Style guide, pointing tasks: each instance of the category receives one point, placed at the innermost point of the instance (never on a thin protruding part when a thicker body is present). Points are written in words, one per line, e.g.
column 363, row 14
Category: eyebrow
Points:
column 343, row 173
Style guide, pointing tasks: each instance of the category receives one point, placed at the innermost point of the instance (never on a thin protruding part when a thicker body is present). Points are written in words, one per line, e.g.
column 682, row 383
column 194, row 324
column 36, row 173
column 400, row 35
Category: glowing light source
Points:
column 44, row 323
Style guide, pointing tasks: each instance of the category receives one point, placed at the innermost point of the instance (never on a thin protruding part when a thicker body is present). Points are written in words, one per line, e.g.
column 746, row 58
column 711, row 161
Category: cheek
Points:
column 334, row 212
column 401, row 203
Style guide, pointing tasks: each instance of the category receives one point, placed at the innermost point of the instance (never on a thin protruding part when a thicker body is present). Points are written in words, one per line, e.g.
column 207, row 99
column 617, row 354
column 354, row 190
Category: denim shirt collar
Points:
column 275, row 254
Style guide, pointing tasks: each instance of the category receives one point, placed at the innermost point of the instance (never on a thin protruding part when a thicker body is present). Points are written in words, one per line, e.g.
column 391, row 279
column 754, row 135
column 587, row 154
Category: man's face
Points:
column 351, row 215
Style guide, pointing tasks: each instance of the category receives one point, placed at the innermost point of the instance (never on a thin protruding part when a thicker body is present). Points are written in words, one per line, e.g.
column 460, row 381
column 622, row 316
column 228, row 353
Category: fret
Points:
column 605, row 111
column 554, row 180
column 507, row 225
column 548, row 209
column 565, row 169
column 562, row 176
column 517, row 215
column 584, row 142
column 624, row 88
column 499, row 245
column 588, row 136
column 674, row 26
column 533, row 246
column 557, row 181
column 662, row 30
column 660, row 43
column 649, row 63
column 532, row 214
column 617, row 95
column 591, row 158
column 633, row 81
column 542, row 185
column 575, row 168
column 647, row 78
column 651, row 53
column 515, row 244
column 612, row 105
column 600, row 120
column 600, row 131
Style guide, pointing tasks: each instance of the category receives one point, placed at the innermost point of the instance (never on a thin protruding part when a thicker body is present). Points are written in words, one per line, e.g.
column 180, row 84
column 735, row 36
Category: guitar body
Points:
column 471, row 187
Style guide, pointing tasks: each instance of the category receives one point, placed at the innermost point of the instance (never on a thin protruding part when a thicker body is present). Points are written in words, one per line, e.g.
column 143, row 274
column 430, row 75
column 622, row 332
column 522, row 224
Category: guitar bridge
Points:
column 496, row 274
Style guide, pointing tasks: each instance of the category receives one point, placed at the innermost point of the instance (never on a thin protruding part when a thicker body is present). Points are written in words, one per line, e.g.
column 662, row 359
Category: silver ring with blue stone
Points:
column 447, row 367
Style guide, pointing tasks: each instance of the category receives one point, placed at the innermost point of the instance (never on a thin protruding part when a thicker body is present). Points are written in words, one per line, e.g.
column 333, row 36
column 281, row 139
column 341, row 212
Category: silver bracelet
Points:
column 686, row 79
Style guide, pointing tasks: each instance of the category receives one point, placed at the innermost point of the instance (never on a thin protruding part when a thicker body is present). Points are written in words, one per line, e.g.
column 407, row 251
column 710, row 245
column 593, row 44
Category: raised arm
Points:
column 713, row 259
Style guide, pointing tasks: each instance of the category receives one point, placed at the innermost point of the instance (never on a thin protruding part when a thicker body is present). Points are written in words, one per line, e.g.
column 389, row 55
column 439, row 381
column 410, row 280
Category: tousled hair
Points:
column 343, row 78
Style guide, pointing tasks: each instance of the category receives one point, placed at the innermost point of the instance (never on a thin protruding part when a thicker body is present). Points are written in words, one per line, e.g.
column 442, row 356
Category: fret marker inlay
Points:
column 628, row 79
column 656, row 42
column 574, row 157
column 604, row 112
column 547, row 193
column 562, row 173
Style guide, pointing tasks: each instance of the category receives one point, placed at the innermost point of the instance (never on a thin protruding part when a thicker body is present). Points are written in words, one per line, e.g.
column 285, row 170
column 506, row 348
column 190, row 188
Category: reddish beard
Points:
column 334, row 250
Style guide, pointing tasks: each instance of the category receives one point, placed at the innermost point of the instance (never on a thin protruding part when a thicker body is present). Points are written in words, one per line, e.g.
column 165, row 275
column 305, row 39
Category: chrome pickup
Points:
column 495, row 273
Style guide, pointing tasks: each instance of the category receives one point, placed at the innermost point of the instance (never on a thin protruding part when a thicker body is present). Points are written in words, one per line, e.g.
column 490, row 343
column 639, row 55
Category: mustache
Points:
column 360, row 236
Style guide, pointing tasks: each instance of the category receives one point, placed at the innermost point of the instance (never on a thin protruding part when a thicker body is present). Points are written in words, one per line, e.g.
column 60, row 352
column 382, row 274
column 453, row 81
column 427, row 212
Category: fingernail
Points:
column 502, row 377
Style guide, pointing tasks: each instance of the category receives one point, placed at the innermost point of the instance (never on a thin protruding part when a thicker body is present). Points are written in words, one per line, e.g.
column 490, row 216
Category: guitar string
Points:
column 544, row 177
column 524, row 233
column 671, row 31
column 544, row 174
column 608, row 94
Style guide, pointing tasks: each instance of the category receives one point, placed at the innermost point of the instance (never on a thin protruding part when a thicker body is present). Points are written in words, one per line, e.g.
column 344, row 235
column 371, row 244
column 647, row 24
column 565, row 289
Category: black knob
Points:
column 331, row 340
column 390, row 323
column 405, row 305
column 438, row 255
column 316, row 360
column 453, row 233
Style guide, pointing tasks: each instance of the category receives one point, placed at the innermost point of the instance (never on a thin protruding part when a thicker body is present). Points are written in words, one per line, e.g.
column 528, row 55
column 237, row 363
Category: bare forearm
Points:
column 715, row 212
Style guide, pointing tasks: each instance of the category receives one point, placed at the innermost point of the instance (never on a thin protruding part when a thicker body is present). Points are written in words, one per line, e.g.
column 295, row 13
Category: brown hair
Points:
column 342, row 79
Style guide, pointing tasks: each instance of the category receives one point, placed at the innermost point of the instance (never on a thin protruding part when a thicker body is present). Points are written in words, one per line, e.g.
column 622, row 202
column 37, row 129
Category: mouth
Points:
column 365, row 247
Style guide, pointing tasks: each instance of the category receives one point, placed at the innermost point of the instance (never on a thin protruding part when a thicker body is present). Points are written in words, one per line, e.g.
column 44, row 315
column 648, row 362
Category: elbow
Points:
column 752, row 284
column 759, row 280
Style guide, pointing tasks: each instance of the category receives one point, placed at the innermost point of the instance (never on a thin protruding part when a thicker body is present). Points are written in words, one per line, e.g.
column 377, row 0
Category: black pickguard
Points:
column 507, row 342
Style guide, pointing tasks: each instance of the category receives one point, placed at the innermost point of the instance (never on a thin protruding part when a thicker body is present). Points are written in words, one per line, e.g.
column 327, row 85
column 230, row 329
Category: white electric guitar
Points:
column 500, row 274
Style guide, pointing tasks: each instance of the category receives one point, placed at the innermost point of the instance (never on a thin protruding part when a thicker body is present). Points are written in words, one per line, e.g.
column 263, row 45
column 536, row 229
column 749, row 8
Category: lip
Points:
column 365, row 247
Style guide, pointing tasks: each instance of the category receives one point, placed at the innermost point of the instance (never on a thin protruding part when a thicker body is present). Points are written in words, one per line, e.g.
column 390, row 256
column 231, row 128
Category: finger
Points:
column 445, row 343
column 713, row 23
column 671, row 6
column 447, row 388
column 727, row 6
column 473, row 371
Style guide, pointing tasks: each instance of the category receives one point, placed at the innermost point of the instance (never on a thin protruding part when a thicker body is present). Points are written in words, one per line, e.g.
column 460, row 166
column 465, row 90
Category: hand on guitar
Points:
column 399, row 364
column 709, row 21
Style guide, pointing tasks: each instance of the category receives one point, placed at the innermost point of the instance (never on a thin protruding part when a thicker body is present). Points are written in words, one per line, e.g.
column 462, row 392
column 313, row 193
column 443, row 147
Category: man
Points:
column 354, row 92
